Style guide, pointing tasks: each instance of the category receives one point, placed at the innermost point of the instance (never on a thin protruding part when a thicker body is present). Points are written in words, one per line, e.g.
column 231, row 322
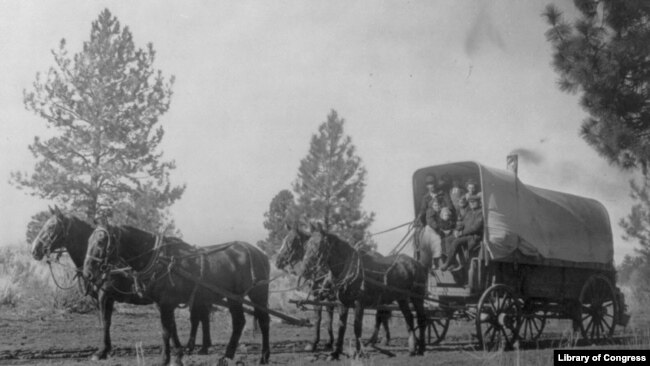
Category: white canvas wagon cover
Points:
column 536, row 222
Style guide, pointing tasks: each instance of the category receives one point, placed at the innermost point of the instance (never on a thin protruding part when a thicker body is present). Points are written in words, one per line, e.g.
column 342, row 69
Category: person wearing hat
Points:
column 463, row 208
column 468, row 235
column 427, row 248
column 430, row 184
column 455, row 193
column 472, row 188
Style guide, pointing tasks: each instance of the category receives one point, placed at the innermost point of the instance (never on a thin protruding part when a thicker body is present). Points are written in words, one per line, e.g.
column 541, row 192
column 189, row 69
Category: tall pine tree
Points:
column 604, row 55
column 104, row 103
column 331, row 182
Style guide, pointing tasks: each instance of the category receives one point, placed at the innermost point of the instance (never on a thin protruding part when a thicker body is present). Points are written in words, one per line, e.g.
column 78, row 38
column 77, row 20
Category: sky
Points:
column 418, row 83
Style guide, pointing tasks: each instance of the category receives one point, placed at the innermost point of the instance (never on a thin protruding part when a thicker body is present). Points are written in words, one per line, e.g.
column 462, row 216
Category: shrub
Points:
column 28, row 284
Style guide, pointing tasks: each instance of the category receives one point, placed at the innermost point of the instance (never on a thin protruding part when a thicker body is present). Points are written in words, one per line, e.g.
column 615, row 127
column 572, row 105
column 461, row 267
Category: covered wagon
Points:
column 543, row 254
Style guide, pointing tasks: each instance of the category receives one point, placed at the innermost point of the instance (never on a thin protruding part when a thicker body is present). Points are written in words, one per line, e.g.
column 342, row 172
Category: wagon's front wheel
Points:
column 598, row 308
column 497, row 318
column 437, row 326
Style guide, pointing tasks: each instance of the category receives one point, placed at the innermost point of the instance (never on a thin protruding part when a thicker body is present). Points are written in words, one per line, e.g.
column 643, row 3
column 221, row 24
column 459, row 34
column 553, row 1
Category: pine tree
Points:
column 604, row 55
column 331, row 182
column 104, row 103
column 637, row 223
column 281, row 211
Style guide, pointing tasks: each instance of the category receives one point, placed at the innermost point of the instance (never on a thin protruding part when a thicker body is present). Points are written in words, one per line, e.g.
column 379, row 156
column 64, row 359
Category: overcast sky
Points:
column 418, row 83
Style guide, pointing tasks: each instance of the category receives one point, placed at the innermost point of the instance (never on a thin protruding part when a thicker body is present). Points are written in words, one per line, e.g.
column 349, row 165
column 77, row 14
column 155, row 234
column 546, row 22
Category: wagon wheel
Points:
column 598, row 308
column 436, row 329
column 497, row 318
column 532, row 321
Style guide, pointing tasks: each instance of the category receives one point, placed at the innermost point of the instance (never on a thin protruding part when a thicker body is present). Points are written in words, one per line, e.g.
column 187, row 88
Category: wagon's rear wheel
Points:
column 533, row 321
column 437, row 327
column 598, row 308
column 497, row 318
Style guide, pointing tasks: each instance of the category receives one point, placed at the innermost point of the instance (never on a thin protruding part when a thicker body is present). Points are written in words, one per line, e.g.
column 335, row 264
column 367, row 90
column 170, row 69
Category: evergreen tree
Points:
column 605, row 55
column 104, row 103
column 279, row 214
column 331, row 182
column 637, row 223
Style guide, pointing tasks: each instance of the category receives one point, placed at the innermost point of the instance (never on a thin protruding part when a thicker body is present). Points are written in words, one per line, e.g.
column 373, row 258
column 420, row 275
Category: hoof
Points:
column 359, row 355
column 329, row 347
column 202, row 351
column 102, row 355
column 334, row 356
column 225, row 361
column 176, row 362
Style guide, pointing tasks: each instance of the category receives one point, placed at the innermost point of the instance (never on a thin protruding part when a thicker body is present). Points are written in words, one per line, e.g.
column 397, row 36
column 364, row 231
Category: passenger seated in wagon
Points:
column 472, row 188
column 468, row 236
column 455, row 193
column 427, row 248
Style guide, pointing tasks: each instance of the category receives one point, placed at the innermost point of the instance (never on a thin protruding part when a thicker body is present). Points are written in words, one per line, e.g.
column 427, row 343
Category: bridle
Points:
column 54, row 236
column 291, row 258
column 109, row 251
column 112, row 264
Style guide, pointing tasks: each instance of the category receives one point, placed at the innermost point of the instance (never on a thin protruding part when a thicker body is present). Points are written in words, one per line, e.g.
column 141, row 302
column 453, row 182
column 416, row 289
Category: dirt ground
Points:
column 70, row 339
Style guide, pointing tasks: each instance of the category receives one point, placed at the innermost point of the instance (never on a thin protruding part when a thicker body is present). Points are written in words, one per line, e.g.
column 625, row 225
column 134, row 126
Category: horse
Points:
column 68, row 232
column 167, row 271
column 362, row 280
column 291, row 255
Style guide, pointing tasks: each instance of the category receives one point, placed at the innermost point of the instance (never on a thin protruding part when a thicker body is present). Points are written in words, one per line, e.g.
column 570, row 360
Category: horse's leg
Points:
column 106, row 308
column 195, row 318
column 330, row 330
column 238, row 322
column 260, row 296
column 178, row 347
column 375, row 332
column 200, row 313
column 408, row 318
column 168, row 324
column 205, row 327
column 418, row 304
column 313, row 346
column 384, row 318
column 166, row 331
column 343, row 322
column 358, row 327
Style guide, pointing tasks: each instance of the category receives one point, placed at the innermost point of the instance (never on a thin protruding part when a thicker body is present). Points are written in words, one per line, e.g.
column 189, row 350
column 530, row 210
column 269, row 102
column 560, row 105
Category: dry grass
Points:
column 27, row 285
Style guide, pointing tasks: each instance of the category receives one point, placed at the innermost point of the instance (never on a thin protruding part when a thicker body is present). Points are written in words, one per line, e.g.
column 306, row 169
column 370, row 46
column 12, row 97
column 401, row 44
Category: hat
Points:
column 430, row 179
column 462, row 200
column 474, row 198
column 471, row 181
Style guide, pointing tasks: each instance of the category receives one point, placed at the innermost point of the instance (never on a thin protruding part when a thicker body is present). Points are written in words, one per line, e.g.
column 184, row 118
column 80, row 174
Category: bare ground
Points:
column 32, row 338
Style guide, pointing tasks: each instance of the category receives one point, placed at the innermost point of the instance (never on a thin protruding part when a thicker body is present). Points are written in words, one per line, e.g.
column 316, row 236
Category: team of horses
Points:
column 129, row 265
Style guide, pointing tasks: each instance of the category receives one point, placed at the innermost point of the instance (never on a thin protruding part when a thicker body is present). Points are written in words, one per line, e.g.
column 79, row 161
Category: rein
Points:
column 77, row 275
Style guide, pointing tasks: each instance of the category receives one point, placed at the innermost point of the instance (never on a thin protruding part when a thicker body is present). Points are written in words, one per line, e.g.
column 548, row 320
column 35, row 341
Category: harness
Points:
column 162, row 265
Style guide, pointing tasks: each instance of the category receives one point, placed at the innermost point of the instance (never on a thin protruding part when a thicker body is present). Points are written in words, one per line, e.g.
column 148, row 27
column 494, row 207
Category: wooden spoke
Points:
column 497, row 318
column 598, row 308
column 437, row 329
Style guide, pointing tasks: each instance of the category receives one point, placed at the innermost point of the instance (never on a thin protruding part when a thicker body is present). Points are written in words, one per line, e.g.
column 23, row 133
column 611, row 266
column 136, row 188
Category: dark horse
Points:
column 171, row 272
column 362, row 280
column 68, row 232
column 290, row 258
